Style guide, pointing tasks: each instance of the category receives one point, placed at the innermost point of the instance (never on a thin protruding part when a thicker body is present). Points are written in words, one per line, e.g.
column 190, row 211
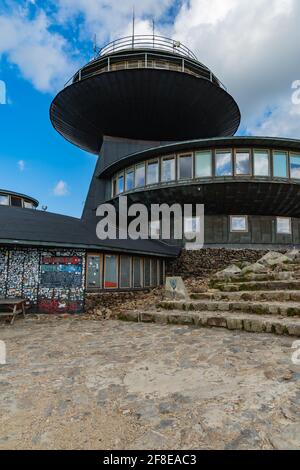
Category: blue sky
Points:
column 42, row 43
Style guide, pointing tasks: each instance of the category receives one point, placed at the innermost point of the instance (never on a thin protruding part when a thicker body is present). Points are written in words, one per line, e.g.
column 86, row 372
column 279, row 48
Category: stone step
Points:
column 254, row 277
column 229, row 320
column 258, row 286
column 287, row 309
column 277, row 295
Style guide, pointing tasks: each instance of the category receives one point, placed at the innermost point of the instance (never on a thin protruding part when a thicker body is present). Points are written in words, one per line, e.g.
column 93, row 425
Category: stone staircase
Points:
column 261, row 298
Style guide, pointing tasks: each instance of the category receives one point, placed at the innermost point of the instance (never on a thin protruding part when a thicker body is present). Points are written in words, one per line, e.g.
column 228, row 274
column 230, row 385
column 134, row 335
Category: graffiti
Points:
column 50, row 281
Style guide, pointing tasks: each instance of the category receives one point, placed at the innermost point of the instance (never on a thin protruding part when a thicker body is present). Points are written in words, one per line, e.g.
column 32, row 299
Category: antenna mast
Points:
column 133, row 26
column 153, row 30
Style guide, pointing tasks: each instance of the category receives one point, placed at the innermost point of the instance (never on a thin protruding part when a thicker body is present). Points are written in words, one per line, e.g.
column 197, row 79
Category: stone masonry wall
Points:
column 203, row 263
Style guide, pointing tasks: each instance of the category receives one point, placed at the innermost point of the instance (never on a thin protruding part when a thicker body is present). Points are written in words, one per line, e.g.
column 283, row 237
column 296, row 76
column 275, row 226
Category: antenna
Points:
column 95, row 45
column 153, row 30
column 133, row 25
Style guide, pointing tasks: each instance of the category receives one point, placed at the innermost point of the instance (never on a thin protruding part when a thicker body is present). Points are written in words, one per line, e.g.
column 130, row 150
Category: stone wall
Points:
column 205, row 262
column 21, row 272
column 111, row 304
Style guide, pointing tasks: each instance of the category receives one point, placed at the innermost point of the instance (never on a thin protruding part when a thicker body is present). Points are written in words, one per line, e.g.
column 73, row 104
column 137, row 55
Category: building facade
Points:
column 163, row 127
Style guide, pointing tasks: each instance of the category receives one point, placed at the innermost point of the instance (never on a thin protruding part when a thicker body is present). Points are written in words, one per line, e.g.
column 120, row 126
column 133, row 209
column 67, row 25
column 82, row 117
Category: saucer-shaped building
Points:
column 163, row 127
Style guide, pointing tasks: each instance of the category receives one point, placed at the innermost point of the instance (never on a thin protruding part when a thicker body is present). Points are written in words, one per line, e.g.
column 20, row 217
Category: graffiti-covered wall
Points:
column 52, row 281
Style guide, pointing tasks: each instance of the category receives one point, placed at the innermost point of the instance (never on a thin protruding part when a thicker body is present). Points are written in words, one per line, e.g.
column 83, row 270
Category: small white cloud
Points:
column 61, row 189
column 21, row 165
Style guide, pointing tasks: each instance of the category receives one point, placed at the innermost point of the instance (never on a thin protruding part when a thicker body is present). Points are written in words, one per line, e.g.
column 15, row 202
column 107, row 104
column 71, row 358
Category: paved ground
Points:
column 74, row 384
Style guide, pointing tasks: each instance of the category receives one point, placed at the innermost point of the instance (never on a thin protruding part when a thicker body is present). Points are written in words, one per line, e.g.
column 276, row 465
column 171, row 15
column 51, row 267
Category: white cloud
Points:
column 61, row 189
column 113, row 19
column 21, row 165
column 42, row 56
column 253, row 48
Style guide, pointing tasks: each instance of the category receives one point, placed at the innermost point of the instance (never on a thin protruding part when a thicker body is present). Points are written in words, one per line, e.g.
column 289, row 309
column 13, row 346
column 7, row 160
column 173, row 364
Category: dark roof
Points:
column 147, row 104
column 216, row 142
column 37, row 228
column 24, row 196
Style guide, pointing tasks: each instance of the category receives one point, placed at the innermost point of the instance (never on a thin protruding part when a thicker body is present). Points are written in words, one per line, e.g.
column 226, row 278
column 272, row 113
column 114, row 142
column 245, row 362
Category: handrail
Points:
column 185, row 64
column 146, row 42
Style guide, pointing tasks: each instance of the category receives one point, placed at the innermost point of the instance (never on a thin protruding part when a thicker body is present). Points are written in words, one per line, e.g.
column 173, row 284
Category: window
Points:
column 125, row 271
column 94, row 271
column 16, row 201
column 295, row 166
column 168, row 169
column 111, row 272
column 284, row 225
column 137, row 273
column 261, row 163
column 223, row 163
column 154, row 272
column 242, row 162
column 28, row 205
column 154, row 229
column 203, row 166
column 239, row 223
column 4, row 200
column 140, row 175
column 191, row 226
column 147, row 265
column 185, row 166
column 152, row 172
column 120, row 183
column 129, row 179
column 280, row 165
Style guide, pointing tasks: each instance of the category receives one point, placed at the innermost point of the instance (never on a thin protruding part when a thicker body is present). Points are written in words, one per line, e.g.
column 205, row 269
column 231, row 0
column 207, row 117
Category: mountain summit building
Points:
column 162, row 125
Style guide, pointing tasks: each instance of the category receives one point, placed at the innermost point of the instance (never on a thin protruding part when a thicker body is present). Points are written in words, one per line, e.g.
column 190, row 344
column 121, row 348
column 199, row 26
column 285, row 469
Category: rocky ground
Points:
column 74, row 384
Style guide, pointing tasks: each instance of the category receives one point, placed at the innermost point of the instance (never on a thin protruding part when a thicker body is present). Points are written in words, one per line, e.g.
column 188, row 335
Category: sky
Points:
column 252, row 47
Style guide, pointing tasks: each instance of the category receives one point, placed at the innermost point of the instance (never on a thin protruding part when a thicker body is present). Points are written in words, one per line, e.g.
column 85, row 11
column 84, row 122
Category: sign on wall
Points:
column 61, row 271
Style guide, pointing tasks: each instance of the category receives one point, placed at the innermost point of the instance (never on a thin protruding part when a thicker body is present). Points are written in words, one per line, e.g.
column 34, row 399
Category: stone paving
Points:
column 82, row 384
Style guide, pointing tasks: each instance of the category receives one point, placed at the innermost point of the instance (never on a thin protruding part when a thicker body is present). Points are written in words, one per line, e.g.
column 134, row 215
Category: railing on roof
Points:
column 154, row 55
column 147, row 42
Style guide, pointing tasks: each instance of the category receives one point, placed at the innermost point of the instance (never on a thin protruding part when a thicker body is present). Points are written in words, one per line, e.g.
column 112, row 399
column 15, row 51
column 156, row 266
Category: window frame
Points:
column 274, row 152
column 179, row 156
column 268, row 151
column 197, row 152
column 291, row 155
column 150, row 275
column 101, row 271
column 242, row 150
column 239, row 231
column 120, row 175
column 131, row 169
column 290, row 226
column 141, row 263
column 148, row 163
column 104, row 271
column 7, row 196
column 219, row 151
column 120, row 272
column 163, row 159
column 139, row 165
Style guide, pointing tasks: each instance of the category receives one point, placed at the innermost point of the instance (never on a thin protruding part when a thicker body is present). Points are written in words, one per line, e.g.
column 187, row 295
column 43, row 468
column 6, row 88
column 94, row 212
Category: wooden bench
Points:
column 11, row 308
